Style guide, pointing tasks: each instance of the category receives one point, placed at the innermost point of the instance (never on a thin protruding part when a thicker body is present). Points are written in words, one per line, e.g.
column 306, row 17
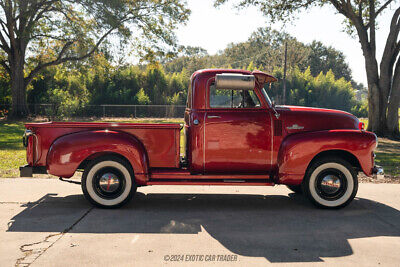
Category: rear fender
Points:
column 69, row 151
column 298, row 150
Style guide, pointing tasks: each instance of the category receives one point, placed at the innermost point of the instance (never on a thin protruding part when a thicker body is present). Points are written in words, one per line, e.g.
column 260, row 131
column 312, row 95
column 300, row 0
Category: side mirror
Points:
column 277, row 115
column 273, row 102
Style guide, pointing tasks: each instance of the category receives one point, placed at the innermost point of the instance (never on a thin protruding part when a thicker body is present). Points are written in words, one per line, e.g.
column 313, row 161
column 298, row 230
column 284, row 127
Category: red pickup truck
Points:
column 234, row 135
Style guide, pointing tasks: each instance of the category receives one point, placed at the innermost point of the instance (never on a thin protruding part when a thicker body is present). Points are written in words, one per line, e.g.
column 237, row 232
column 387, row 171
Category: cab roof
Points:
column 261, row 77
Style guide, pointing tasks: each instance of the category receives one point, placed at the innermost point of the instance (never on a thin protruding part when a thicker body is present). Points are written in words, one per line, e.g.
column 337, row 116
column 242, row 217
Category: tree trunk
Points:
column 380, row 119
column 376, row 100
column 19, row 109
column 374, row 111
column 378, row 94
column 394, row 101
column 393, row 116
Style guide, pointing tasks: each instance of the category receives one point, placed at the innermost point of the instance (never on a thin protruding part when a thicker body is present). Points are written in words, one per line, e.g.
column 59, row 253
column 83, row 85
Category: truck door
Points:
column 237, row 133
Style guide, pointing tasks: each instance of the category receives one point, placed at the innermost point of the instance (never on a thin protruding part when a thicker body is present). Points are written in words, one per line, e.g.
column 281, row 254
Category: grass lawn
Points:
column 12, row 152
column 388, row 156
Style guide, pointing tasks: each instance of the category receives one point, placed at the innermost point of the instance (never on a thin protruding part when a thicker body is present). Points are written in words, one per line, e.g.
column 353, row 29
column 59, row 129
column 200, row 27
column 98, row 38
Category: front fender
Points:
column 298, row 150
column 69, row 151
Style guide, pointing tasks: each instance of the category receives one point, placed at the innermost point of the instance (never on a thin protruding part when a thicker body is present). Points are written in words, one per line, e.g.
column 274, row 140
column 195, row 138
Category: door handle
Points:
column 213, row 117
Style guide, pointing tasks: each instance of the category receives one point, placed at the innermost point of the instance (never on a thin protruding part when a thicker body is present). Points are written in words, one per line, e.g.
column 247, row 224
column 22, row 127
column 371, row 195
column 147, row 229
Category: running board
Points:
column 263, row 182
column 173, row 174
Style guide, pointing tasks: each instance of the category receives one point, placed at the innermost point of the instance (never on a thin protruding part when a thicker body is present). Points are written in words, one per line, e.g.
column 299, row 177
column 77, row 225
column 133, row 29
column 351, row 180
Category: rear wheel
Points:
column 331, row 183
column 295, row 188
column 107, row 182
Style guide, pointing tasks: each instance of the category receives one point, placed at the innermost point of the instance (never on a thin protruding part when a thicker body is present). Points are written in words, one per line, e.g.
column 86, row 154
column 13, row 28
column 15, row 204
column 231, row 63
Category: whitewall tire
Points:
column 331, row 183
column 108, row 182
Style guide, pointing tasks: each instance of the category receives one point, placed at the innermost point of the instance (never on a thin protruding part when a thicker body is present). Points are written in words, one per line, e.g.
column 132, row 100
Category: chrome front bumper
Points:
column 378, row 170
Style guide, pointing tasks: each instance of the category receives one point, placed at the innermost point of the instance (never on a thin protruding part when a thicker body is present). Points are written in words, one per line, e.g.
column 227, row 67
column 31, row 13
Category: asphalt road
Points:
column 45, row 222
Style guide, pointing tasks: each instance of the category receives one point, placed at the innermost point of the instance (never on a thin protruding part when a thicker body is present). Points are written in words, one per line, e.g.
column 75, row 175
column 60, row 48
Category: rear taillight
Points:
column 25, row 137
column 361, row 126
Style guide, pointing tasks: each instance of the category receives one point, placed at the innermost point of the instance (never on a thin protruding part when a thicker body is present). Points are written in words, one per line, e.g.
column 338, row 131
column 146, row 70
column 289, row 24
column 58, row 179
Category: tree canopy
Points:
column 72, row 90
column 265, row 47
column 36, row 34
column 360, row 19
column 74, row 86
column 318, row 75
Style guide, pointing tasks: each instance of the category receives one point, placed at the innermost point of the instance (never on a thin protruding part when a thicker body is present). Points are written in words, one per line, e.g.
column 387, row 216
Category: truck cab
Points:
column 234, row 135
column 231, row 118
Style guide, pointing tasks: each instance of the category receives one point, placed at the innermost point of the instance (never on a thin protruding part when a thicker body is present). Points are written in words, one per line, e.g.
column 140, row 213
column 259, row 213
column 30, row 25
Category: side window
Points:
column 223, row 98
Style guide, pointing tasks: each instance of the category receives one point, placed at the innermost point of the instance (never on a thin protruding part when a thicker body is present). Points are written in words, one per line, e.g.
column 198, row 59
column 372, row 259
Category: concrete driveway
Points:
column 45, row 222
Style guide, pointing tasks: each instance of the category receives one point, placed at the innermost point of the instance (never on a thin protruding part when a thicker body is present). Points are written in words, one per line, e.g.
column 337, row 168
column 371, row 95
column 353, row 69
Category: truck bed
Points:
column 160, row 140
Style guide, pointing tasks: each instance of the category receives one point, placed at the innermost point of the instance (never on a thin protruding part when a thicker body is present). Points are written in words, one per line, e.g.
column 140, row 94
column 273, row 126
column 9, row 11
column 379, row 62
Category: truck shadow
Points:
column 278, row 227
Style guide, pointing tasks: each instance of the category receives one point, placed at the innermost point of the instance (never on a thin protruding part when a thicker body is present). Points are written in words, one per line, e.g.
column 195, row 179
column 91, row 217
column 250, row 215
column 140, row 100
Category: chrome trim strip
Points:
column 213, row 117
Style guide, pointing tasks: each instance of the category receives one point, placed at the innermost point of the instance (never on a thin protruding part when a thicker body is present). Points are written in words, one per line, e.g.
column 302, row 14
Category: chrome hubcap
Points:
column 109, row 182
column 330, row 184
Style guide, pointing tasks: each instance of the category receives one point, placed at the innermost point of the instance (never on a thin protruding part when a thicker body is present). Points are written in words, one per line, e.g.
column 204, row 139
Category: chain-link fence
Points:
column 134, row 111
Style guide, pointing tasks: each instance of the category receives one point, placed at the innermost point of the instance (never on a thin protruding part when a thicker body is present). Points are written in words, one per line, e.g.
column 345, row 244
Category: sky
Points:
column 214, row 28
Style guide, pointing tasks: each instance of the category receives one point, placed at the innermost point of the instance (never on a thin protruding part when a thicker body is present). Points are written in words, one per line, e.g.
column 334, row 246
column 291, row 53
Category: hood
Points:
column 304, row 119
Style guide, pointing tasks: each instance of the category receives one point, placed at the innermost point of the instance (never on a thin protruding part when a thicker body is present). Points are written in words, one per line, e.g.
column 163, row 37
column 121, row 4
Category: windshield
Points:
column 266, row 97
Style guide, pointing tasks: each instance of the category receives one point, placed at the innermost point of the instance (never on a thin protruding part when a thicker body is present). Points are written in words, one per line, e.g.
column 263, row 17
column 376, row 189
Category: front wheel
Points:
column 331, row 183
column 107, row 182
